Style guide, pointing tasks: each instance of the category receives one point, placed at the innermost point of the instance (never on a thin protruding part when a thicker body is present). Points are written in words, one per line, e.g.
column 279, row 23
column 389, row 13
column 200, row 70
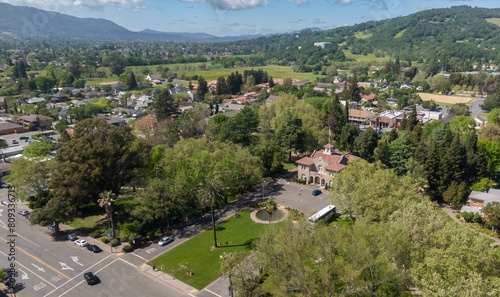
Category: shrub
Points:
column 151, row 234
column 114, row 242
column 96, row 234
column 105, row 240
column 299, row 180
column 470, row 217
column 127, row 248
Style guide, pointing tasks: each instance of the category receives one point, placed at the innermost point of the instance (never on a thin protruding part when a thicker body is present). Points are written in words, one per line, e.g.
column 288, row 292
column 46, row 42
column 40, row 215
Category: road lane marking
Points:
column 75, row 259
column 213, row 293
column 140, row 257
column 29, row 270
column 65, row 266
column 38, row 260
column 38, row 267
column 75, row 277
column 71, row 289
column 5, row 227
column 128, row 262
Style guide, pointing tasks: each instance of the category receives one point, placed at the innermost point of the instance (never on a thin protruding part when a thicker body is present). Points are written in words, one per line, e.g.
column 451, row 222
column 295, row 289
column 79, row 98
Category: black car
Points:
column 25, row 138
column 72, row 237
column 94, row 248
column 91, row 278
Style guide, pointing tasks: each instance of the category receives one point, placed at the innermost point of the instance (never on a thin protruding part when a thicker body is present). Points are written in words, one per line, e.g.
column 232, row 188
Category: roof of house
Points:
column 32, row 118
column 335, row 167
column 369, row 97
column 492, row 195
column 9, row 126
column 306, row 161
column 358, row 113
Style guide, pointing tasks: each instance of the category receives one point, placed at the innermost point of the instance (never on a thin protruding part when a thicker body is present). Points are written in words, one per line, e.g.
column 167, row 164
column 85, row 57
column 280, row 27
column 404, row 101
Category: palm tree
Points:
column 271, row 207
column 210, row 195
column 106, row 200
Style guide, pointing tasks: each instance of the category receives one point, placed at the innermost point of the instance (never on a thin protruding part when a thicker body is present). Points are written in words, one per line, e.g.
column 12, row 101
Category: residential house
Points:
column 11, row 128
column 478, row 200
column 480, row 122
column 360, row 117
column 323, row 44
column 389, row 119
column 320, row 168
column 35, row 120
column 155, row 79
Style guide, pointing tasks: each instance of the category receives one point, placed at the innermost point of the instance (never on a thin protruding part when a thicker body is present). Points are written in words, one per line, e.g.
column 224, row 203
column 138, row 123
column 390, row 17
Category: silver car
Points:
column 165, row 240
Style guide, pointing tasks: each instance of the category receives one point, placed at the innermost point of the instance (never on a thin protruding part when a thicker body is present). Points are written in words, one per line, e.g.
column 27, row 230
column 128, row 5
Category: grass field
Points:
column 495, row 21
column 366, row 58
column 198, row 255
column 449, row 100
column 279, row 72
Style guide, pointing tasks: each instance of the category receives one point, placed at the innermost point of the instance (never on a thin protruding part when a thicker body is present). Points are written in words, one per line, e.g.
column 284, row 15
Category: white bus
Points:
column 324, row 215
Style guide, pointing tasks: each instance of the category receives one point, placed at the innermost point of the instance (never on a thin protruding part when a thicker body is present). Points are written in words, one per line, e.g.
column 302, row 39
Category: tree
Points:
column 365, row 144
column 44, row 83
column 75, row 66
column 98, row 158
column 128, row 80
column 271, row 206
column 221, row 86
column 57, row 210
column 156, row 203
column 348, row 137
column 164, row 105
column 210, row 195
column 202, row 88
column 492, row 214
column 38, row 149
column 30, row 177
column 289, row 135
column 107, row 200
column 116, row 63
column 455, row 193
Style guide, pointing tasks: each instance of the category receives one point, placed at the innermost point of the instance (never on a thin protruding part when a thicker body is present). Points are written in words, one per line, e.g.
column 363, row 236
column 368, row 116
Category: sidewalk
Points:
column 167, row 279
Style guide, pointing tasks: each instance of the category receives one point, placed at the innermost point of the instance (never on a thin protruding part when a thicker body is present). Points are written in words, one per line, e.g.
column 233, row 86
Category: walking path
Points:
column 453, row 215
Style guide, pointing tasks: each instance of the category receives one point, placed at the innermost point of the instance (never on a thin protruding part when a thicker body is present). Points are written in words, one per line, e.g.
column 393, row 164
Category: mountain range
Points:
column 22, row 22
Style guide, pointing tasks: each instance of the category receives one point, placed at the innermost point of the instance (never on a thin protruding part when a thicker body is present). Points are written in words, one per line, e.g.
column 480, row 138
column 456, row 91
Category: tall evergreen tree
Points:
column 202, row 88
column 164, row 105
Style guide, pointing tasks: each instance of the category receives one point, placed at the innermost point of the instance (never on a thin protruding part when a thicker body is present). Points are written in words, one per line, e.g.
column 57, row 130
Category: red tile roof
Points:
column 335, row 167
column 306, row 161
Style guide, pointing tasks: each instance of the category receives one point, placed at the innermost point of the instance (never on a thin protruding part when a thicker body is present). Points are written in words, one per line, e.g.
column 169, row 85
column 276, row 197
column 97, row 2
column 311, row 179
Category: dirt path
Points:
column 449, row 212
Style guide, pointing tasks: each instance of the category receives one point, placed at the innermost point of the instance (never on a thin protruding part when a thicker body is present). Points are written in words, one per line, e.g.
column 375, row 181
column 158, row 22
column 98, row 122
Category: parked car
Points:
column 25, row 138
column 23, row 212
column 72, row 237
column 81, row 242
column 94, row 248
column 91, row 278
column 52, row 227
column 316, row 192
column 14, row 141
column 165, row 240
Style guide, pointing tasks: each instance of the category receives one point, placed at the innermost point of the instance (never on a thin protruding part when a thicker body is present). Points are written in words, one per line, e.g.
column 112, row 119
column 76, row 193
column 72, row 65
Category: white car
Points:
column 165, row 240
column 81, row 242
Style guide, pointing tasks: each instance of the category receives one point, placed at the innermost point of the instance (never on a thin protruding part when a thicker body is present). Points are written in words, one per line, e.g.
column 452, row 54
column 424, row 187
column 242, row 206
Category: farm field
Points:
column 279, row 72
column 445, row 98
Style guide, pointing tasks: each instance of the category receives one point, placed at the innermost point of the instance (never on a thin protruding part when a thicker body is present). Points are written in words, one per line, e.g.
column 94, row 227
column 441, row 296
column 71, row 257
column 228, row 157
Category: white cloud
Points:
column 62, row 5
column 233, row 4
column 299, row 2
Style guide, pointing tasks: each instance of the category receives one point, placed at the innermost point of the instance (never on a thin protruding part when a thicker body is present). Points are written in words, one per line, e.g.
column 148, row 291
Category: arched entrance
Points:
column 316, row 180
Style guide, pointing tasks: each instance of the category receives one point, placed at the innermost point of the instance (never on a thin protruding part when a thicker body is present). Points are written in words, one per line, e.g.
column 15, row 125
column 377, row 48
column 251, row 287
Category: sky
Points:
column 242, row 17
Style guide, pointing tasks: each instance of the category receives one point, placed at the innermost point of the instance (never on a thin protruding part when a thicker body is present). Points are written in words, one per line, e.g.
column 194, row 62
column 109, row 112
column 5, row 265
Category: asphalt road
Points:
column 47, row 267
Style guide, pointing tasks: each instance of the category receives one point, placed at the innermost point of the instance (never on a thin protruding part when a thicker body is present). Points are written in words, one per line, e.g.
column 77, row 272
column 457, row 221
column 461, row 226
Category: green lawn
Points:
column 199, row 256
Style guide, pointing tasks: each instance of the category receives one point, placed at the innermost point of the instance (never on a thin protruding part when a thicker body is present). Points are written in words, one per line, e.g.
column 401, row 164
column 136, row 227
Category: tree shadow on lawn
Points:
column 247, row 244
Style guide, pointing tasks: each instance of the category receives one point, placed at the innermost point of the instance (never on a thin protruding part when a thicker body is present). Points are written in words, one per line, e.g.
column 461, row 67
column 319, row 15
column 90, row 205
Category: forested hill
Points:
column 461, row 31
